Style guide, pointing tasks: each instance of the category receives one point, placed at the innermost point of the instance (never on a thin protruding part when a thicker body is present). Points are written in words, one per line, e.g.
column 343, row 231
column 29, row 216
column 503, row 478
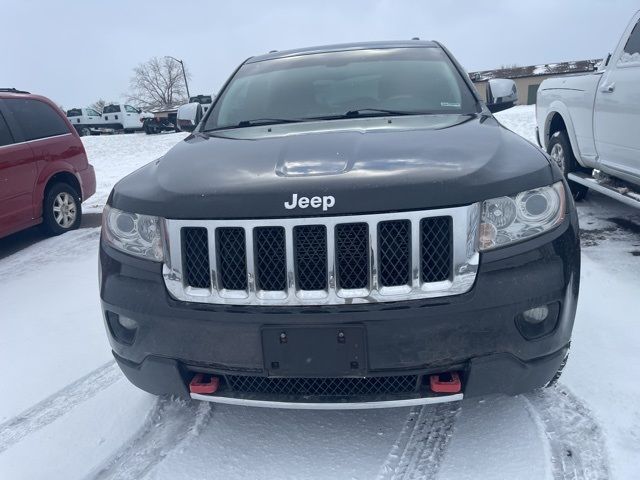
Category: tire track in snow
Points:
column 58, row 404
column 578, row 450
column 169, row 424
column 422, row 442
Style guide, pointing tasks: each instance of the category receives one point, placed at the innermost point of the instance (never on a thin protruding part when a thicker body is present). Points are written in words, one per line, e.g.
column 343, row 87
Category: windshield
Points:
column 418, row 80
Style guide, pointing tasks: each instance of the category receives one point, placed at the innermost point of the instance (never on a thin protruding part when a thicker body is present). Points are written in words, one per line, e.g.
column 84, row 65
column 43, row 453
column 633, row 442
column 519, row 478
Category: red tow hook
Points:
column 204, row 383
column 445, row 382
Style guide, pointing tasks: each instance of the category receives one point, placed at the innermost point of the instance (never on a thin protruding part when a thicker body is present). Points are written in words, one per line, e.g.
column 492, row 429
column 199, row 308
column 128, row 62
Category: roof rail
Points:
column 12, row 90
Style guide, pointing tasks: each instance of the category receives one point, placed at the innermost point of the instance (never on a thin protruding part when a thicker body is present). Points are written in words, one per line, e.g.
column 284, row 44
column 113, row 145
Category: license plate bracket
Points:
column 314, row 351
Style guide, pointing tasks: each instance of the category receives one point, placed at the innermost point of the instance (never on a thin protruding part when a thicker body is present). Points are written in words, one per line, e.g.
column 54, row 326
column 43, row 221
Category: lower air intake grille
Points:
column 232, row 254
column 437, row 254
column 196, row 257
column 352, row 255
column 324, row 386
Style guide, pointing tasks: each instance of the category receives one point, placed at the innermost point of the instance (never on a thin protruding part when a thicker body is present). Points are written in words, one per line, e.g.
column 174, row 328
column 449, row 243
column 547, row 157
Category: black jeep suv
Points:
column 348, row 227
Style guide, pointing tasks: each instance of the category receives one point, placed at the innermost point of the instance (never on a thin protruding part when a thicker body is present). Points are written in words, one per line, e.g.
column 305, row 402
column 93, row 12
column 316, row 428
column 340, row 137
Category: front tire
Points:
column 560, row 151
column 85, row 132
column 62, row 209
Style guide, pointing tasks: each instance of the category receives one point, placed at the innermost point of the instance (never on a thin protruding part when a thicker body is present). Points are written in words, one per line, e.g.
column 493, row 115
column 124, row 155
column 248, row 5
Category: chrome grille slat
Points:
column 291, row 280
column 416, row 261
column 463, row 261
column 213, row 260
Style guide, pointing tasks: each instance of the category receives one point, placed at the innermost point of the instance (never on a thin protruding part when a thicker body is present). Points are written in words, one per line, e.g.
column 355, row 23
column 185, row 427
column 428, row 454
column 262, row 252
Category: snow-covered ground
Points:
column 66, row 412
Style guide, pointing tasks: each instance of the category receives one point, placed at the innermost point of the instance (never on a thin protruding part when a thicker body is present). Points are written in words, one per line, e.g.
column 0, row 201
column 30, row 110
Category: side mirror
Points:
column 189, row 116
column 501, row 94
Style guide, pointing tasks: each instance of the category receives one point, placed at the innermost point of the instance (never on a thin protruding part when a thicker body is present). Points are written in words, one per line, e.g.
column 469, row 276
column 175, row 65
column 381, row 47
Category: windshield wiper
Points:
column 370, row 112
column 256, row 122
column 266, row 121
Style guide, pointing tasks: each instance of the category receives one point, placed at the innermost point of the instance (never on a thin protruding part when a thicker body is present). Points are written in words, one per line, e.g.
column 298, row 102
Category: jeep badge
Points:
column 325, row 202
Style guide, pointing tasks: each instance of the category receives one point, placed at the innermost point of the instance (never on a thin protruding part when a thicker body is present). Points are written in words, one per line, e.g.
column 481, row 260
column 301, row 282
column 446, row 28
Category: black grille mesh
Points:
column 311, row 256
column 352, row 258
column 323, row 386
column 271, row 258
column 195, row 247
column 394, row 245
column 437, row 249
column 232, row 258
column 352, row 255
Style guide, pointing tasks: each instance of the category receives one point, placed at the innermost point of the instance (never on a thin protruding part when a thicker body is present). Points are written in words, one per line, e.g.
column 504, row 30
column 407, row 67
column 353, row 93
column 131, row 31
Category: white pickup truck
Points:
column 590, row 123
column 86, row 121
column 124, row 117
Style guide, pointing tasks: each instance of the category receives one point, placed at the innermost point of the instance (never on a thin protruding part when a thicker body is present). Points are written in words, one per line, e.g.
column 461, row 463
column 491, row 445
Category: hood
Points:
column 366, row 165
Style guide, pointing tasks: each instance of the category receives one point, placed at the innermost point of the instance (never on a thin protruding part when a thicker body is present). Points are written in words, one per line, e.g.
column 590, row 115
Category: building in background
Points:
column 528, row 79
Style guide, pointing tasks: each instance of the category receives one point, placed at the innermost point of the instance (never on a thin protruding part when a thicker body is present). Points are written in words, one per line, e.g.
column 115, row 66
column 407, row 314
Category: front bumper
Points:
column 474, row 333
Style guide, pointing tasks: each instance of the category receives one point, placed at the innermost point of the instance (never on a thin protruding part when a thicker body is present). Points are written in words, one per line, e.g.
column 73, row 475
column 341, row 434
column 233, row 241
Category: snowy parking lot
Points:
column 66, row 412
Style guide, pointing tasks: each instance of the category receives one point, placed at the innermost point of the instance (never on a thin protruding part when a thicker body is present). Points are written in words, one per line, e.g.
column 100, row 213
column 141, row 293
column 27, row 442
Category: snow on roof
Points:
column 577, row 66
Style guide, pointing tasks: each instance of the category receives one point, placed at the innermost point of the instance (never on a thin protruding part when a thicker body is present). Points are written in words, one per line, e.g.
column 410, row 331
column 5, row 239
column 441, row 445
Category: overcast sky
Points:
column 78, row 51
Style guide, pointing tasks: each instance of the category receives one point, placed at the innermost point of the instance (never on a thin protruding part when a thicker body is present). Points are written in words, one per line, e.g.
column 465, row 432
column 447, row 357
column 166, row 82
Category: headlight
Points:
column 132, row 233
column 510, row 219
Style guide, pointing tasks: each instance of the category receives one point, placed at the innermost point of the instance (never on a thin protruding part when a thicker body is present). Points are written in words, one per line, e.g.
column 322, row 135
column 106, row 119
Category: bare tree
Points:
column 98, row 105
column 158, row 83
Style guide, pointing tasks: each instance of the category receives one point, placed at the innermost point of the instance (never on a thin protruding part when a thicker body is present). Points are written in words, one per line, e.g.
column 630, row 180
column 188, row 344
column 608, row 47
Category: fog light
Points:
column 128, row 323
column 539, row 321
column 536, row 315
column 122, row 329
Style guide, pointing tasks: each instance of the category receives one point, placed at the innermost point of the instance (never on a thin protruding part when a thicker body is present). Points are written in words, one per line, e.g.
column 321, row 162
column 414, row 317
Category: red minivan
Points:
column 44, row 171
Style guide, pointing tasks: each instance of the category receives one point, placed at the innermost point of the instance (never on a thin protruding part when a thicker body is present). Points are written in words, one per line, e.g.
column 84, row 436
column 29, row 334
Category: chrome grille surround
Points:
column 465, row 223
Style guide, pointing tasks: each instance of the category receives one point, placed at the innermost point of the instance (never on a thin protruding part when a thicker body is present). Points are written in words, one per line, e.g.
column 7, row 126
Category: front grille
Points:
column 352, row 255
column 232, row 258
column 324, row 387
column 436, row 249
column 394, row 242
column 271, row 258
column 196, row 257
column 323, row 261
column 311, row 256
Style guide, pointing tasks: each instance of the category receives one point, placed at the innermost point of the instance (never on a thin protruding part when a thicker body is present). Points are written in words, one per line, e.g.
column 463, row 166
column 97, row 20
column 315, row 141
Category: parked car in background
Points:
column 591, row 122
column 155, row 125
column 204, row 100
column 120, row 116
column 190, row 114
column 87, row 121
column 44, row 171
